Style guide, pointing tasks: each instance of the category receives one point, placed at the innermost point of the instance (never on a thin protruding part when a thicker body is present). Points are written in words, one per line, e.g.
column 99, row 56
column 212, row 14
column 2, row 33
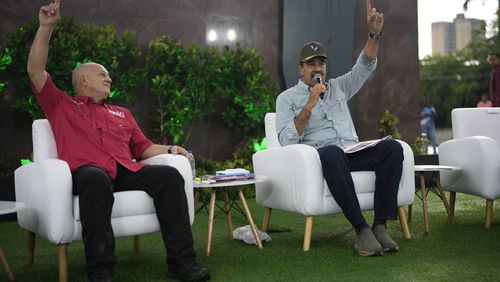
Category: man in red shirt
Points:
column 99, row 142
column 494, row 59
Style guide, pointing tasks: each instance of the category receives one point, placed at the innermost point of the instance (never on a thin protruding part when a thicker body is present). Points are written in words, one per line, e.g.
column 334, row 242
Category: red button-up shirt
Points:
column 92, row 133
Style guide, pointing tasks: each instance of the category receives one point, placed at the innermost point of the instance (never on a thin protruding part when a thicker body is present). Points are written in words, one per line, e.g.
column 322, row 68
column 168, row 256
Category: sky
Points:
column 430, row 11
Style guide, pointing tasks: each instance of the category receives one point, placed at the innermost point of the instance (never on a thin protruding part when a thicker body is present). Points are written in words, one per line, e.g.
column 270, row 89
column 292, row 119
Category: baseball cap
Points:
column 312, row 49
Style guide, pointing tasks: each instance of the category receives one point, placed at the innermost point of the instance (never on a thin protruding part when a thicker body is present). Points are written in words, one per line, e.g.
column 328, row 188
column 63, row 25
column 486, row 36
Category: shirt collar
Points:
column 302, row 85
column 88, row 100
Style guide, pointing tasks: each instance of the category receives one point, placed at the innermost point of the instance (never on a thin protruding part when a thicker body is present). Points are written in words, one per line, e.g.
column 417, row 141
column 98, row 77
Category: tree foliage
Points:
column 458, row 79
column 71, row 44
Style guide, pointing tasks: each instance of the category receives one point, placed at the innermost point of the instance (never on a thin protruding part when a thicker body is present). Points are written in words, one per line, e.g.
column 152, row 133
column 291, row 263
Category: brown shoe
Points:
column 367, row 244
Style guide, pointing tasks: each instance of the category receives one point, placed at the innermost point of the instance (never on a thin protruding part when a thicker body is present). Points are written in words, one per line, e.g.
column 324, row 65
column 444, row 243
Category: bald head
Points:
column 79, row 71
column 91, row 79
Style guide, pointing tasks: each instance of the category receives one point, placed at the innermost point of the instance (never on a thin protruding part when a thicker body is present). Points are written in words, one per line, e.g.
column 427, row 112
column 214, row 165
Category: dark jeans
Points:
column 163, row 183
column 386, row 159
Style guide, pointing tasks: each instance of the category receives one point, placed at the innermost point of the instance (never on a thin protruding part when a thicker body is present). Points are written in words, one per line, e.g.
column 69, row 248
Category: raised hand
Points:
column 375, row 19
column 49, row 15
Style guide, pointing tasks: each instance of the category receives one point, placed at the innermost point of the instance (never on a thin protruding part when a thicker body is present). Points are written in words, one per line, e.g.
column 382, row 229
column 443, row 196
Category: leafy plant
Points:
column 420, row 145
column 250, row 89
column 185, row 82
column 71, row 44
column 193, row 83
column 388, row 125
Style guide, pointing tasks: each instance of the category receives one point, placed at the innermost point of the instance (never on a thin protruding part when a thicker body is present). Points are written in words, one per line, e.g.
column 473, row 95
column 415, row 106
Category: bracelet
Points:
column 374, row 36
column 169, row 149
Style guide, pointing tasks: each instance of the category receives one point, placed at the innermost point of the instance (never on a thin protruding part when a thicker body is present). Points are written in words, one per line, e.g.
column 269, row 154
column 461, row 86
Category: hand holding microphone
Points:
column 319, row 79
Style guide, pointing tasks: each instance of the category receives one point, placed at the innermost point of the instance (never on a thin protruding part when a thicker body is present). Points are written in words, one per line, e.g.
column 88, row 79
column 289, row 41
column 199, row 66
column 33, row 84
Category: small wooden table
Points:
column 7, row 207
column 228, row 205
column 435, row 169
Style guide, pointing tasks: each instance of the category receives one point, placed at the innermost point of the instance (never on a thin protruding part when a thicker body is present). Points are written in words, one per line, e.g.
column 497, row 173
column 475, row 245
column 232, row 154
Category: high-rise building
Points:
column 449, row 37
column 443, row 38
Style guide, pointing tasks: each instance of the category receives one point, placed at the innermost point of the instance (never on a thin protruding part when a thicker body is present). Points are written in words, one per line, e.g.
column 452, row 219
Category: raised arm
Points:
column 48, row 17
column 375, row 22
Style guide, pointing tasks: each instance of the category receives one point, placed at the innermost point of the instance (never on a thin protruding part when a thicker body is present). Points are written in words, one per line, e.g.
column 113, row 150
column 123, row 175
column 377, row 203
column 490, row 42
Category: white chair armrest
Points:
column 479, row 158
column 181, row 163
column 46, row 189
column 295, row 179
column 406, row 193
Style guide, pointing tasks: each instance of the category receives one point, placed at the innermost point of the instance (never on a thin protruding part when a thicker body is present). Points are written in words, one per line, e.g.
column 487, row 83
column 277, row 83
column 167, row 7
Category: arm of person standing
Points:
column 48, row 17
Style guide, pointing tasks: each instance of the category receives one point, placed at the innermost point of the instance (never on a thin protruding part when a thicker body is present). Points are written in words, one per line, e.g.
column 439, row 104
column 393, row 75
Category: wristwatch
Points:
column 374, row 36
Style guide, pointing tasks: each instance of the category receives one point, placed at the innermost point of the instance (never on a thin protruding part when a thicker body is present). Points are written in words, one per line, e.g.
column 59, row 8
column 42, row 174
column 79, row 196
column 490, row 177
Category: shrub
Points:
column 71, row 44
column 193, row 83
column 388, row 125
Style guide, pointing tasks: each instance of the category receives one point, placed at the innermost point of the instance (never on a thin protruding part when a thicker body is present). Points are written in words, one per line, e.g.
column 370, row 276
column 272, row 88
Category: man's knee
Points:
column 331, row 152
column 392, row 148
column 170, row 174
column 91, row 176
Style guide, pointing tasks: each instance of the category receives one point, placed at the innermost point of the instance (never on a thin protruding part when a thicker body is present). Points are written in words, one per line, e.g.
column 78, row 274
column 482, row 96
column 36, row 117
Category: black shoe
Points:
column 188, row 272
column 105, row 275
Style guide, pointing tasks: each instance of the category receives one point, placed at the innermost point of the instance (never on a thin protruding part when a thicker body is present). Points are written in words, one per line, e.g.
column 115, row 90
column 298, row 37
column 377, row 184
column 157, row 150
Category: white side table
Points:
column 7, row 207
column 227, row 206
column 435, row 169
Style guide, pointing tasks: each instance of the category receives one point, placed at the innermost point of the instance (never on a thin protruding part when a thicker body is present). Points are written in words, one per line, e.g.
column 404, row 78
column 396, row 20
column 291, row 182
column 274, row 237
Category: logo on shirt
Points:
column 117, row 113
column 78, row 104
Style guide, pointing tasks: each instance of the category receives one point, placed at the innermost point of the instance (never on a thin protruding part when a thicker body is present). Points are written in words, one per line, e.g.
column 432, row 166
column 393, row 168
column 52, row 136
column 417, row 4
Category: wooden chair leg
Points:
column 31, row 248
column 453, row 196
column 5, row 265
column 404, row 223
column 63, row 262
column 137, row 244
column 266, row 219
column 308, row 233
column 489, row 211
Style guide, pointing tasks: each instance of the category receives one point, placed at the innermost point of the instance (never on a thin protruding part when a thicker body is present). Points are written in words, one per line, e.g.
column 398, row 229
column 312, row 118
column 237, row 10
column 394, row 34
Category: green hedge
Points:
column 71, row 44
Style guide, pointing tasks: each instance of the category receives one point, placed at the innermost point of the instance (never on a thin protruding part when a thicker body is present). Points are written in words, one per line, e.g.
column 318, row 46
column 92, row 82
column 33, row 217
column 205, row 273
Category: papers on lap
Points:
column 364, row 145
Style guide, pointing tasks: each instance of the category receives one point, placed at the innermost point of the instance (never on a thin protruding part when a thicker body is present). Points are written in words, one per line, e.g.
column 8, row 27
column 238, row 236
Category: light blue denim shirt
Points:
column 330, row 122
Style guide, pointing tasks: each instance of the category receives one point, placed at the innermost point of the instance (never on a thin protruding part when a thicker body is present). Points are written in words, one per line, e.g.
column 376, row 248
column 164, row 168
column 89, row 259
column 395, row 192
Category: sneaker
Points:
column 189, row 272
column 367, row 244
column 380, row 232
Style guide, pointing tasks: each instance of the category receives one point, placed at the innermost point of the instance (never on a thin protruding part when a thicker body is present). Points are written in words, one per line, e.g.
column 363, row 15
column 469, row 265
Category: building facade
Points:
column 448, row 37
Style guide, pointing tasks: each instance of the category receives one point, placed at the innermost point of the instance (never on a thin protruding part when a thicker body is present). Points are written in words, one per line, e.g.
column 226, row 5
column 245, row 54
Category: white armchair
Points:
column 297, row 184
column 475, row 148
column 45, row 186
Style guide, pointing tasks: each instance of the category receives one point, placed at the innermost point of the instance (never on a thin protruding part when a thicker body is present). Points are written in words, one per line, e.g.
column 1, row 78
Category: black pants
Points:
column 163, row 183
column 386, row 159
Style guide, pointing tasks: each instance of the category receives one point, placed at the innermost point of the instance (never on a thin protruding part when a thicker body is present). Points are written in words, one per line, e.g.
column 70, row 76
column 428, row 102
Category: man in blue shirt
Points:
column 317, row 114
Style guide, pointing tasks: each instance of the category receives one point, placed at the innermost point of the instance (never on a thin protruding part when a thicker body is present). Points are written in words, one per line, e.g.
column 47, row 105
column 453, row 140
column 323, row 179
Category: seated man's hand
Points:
column 178, row 150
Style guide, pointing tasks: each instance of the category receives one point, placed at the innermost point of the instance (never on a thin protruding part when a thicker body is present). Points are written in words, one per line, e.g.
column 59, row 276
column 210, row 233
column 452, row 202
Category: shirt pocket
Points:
column 337, row 109
column 120, row 130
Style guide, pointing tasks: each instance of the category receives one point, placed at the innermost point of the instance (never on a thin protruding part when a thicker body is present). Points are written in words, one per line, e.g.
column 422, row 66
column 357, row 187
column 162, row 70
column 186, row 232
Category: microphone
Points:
column 319, row 79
